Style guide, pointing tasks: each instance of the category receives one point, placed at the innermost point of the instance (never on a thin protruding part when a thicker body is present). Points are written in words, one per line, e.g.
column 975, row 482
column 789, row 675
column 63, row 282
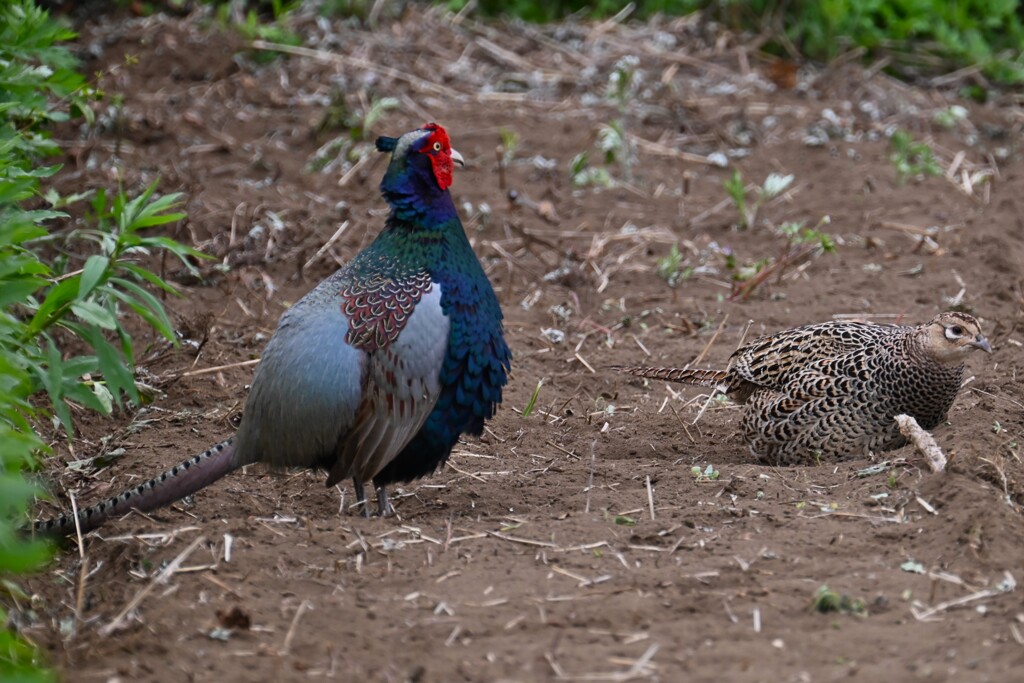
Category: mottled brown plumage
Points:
column 831, row 390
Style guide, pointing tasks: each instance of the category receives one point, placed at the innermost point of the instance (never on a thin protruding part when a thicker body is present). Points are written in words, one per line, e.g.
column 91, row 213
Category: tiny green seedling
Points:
column 509, row 145
column 827, row 600
column 912, row 158
column 533, row 399
column 950, row 116
column 668, row 267
column 774, row 185
column 583, row 174
column 737, row 191
column 709, row 473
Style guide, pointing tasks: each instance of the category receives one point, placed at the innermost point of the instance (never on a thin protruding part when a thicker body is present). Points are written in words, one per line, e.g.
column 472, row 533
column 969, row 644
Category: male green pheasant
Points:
column 375, row 373
column 832, row 390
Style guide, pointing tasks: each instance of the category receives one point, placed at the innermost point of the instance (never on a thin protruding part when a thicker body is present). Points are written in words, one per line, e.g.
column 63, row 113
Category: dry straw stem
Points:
column 640, row 668
column 334, row 58
column 1007, row 585
column 922, row 441
column 217, row 368
column 303, row 607
column 165, row 574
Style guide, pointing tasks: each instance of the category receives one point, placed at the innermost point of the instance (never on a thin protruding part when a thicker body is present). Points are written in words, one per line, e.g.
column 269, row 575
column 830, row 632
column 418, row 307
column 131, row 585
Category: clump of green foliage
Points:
column 827, row 600
column 912, row 158
column 669, row 267
column 48, row 305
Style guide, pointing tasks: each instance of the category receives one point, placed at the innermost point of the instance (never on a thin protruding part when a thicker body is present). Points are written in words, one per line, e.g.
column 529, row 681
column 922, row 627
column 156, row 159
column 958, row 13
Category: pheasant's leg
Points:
column 361, row 497
column 384, row 508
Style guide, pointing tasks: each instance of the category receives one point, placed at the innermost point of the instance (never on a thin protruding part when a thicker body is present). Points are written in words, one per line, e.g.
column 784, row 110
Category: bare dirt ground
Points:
column 541, row 552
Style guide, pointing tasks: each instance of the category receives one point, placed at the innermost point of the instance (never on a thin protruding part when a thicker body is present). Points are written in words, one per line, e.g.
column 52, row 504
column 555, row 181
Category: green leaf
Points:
column 147, row 219
column 114, row 367
column 61, row 294
column 15, row 491
column 52, row 376
column 17, row 291
column 16, row 448
column 92, row 273
column 92, row 395
column 533, row 399
column 95, row 314
column 150, row 309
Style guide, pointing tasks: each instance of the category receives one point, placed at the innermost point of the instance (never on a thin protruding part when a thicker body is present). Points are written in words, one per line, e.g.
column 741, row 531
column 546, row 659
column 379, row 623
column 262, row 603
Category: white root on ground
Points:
column 923, row 442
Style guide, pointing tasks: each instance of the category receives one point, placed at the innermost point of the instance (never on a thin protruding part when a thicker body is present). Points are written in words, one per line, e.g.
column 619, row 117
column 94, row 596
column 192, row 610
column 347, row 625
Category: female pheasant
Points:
column 375, row 373
column 832, row 390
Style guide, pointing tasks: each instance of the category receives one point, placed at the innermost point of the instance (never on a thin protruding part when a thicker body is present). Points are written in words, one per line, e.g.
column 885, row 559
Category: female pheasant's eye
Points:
column 954, row 332
column 437, row 146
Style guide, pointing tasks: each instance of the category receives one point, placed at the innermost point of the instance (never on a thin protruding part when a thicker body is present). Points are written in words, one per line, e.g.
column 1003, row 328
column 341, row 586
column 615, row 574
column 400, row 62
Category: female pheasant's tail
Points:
column 702, row 378
column 174, row 484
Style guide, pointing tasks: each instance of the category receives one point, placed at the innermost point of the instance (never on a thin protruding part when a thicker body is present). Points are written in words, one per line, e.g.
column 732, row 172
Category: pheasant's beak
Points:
column 981, row 343
column 457, row 158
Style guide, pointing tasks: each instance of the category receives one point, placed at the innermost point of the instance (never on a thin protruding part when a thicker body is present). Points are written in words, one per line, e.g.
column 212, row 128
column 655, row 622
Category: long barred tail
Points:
column 701, row 378
column 174, row 484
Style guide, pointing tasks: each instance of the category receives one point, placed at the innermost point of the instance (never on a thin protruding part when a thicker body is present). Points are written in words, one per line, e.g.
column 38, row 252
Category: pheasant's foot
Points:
column 361, row 498
column 384, row 507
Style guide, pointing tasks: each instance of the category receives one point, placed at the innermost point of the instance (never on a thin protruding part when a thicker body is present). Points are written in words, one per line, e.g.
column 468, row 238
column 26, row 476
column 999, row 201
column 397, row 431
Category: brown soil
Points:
column 535, row 555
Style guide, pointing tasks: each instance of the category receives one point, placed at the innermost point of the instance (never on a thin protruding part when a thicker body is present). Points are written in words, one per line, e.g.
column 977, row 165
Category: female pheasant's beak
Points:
column 457, row 158
column 981, row 343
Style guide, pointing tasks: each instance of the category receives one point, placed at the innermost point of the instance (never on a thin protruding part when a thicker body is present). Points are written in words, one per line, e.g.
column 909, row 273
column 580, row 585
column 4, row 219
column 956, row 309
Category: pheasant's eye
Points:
column 954, row 332
column 437, row 146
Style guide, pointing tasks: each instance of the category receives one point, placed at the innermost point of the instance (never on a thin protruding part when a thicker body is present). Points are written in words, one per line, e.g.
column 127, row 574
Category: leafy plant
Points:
column 802, row 243
column 612, row 139
column 668, row 267
column 912, row 158
column 52, row 308
column 799, row 235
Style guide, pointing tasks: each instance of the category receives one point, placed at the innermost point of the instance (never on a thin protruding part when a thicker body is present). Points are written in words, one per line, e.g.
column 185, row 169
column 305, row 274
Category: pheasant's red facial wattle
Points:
column 439, row 149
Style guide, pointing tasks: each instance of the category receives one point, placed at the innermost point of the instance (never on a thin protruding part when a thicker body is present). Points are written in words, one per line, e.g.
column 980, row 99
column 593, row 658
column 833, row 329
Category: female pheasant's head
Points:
column 422, row 162
column 951, row 336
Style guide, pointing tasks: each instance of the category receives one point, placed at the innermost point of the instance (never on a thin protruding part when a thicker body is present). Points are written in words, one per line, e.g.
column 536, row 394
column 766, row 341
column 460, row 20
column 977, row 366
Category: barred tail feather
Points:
column 181, row 480
column 695, row 376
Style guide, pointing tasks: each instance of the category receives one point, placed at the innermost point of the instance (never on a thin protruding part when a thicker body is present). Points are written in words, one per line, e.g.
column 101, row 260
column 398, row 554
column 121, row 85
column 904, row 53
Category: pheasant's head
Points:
column 951, row 336
column 422, row 161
